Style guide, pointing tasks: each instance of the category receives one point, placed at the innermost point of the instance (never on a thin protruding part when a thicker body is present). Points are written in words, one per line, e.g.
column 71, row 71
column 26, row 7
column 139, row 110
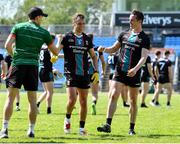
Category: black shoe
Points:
column 49, row 110
column 131, row 132
column 105, row 128
column 126, row 105
column 4, row 133
column 168, row 104
column 157, row 103
column 143, row 105
column 31, row 135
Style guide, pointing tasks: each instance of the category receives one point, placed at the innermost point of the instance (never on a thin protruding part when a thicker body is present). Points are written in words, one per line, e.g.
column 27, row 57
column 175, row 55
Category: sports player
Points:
column 112, row 61
column 8, row 60
column 46, row 76
column 76, row 46
column 95, row 86
column 28, row 38
column 165, row 76
column 146, row 73
column 133, row 48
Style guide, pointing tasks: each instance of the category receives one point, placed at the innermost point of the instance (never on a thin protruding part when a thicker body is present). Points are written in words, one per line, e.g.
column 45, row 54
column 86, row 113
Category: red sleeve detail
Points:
column 12, row 35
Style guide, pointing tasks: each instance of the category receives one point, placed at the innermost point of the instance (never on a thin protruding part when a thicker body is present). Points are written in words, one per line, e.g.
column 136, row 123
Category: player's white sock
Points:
column 5, row 124
column 31, row 128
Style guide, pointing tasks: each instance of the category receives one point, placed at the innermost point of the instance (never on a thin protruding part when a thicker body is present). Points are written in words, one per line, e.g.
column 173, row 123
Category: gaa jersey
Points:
column 44, row 58
column 145, row 71
column 163, row 64
column 29, row 39
column 131, row 47
column 98, row 54
column 76, row 54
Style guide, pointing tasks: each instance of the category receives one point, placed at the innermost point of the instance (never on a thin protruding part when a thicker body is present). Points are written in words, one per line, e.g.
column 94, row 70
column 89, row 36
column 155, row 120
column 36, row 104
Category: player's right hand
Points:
column 54, row 59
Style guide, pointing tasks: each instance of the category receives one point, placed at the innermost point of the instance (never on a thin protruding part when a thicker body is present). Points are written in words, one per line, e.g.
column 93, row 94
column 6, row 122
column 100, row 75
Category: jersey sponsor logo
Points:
column 70, row 40
column 87, row 43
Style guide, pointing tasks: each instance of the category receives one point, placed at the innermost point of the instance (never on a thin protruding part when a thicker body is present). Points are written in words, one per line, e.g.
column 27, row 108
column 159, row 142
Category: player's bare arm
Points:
column 132, row 72
column 94, row 59
column 110, row 49
column 9, row 44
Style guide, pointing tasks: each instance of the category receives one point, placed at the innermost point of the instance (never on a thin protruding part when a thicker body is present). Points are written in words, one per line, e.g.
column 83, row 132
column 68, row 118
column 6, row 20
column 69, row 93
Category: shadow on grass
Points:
column 156, row 136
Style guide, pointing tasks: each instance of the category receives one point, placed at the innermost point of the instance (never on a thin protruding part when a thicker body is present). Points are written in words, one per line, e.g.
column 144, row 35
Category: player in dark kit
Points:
column 146, row 73
column 46, row 76
column 112, row 61
column 76, row 46
column 133, row 48
column 95, row 86
column 8, row 60
column 164, row 77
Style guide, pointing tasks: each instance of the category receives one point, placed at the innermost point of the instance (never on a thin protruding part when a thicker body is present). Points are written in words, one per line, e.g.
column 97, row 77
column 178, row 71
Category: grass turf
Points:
column 154, row 124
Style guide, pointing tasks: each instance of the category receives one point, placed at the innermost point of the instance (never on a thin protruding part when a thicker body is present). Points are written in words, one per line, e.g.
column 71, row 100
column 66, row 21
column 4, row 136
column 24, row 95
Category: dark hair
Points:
column 139, row 15
column 158, row 53
column 167, row 52
column 90, row 35
column 76, row 16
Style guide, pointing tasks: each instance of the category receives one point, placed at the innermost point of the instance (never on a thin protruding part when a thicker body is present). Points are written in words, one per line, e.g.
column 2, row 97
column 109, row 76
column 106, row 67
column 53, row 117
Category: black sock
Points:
column 17, row 104
column 94, row 101
column 81, row 124
column 68, row 116
column 38, row 104
column 132, row 126
column 108, row 121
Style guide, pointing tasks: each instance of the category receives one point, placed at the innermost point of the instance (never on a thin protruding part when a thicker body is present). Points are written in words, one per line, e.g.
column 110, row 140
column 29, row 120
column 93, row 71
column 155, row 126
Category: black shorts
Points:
column 162, row 79
column 122, row 77
column 26, row 75
column 111, row 76
column 82, row 82
column 145, row 78
column 46, row 75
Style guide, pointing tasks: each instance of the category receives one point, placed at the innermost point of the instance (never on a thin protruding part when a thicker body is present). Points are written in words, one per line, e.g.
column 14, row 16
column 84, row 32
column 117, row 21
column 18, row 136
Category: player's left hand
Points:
column 131, row 72
column 95, row 77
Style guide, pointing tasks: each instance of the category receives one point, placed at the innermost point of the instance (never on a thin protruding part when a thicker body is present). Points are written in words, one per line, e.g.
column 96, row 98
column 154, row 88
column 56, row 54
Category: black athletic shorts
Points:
column 145, row 78
column 26, row 75
column 46, row 75
column 122, row 77
column 162, row 79
column 82, row 82
column 111, row 76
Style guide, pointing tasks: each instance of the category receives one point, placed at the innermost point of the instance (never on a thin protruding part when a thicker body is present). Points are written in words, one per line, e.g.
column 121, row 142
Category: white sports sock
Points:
column 31, row 127
column 5, row 124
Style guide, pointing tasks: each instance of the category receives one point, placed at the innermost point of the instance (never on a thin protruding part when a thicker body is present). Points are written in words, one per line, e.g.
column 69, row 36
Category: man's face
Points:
column 39, row 19
column 134, row 23
column 79, row 25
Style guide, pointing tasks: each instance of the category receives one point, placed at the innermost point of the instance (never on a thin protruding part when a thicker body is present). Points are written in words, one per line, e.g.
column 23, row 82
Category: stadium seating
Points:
column 173, row 42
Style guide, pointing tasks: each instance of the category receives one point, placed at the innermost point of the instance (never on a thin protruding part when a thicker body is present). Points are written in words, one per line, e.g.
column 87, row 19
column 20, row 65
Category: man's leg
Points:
column 8, row 110
column 124, row 95
column 114, row 93
column 49, row 89
column 168, row 86
column 156, row 95
column 133, row 94
column 42, row 96
column 144, row 91
column 83, row 94
column 72, row 97
column 32, row 112
column 94, row 89
column 17, row 101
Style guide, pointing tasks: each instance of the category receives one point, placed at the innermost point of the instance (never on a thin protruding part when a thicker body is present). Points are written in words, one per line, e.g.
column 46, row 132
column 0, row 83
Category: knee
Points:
column 83, row 103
